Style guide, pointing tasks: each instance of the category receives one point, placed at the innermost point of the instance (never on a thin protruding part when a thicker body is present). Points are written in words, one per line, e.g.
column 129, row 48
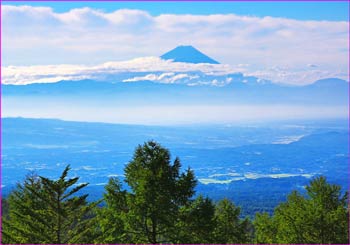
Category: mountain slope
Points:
column 187, row 54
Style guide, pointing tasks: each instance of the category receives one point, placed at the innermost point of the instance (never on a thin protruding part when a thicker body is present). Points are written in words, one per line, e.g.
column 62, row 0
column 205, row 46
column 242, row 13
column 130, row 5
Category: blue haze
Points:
column 229, row 160
column 251, row 157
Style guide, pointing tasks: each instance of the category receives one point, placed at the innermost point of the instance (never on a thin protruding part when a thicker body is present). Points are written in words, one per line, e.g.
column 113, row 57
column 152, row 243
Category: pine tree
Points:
column 49, row 211
column 24, row 223
column 265, row 231
column 158, row 190
column 196, row 222
column 229, row 227
column 111, row 218
column 290, row 221
column 321, row 216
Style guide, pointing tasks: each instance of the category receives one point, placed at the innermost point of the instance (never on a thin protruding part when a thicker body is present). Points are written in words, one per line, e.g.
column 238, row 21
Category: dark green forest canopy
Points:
column 160, row 206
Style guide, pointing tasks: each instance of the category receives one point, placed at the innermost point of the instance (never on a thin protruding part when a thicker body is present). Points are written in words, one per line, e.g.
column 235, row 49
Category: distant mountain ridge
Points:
column 188, row 54
column 188, row 87
column 329, row 82
column 209, row 73
column 236, row 92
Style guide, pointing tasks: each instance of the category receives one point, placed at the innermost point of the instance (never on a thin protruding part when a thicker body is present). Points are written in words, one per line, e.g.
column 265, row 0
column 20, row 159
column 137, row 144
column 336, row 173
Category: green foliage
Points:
column 265, row 230
column 157, row 191
column 159, row 208
column 229, row 227
column 46, row 211
column 111, row 218
column 196, row 222
column 320, row 217
column 22, row 224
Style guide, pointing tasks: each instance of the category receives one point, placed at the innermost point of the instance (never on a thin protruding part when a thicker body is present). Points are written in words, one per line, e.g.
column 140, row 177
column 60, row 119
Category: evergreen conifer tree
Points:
column 196, row 222
column 158, row 190
column 49, row 211
column 111, row 218
column 319, row 217
column 229, row 227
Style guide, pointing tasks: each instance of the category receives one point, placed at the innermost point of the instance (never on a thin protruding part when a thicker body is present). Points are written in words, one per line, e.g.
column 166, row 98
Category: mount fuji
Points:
column 184, row 83
column 188, row 54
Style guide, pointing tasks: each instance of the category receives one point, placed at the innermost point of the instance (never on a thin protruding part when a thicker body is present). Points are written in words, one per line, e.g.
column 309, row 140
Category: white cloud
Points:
column 298, row 76
column 170, row 71
column 38, row 35
column 168, row 77
column 162, row 71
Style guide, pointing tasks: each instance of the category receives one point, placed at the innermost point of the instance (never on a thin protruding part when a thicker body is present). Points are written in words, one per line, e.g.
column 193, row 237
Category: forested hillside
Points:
column 157, row 204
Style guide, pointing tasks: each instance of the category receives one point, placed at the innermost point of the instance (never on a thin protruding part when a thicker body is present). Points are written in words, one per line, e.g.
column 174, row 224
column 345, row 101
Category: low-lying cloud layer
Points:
column 157, row 70
column 278, row 49
column 21, row 75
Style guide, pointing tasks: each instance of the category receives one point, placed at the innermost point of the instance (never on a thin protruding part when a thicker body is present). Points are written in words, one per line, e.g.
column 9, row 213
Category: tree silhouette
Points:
column 319, row 217
column 158, row 190
column 48, row 211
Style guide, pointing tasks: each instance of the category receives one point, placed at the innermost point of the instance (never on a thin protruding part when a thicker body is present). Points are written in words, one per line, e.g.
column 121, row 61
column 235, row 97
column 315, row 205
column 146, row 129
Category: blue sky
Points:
column 285, row 42
column 295, row 10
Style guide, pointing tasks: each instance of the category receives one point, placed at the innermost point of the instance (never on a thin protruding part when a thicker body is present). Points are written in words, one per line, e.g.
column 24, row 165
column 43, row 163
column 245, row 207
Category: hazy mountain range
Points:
column 232, row 156
column 232, row 86
column 209, row 94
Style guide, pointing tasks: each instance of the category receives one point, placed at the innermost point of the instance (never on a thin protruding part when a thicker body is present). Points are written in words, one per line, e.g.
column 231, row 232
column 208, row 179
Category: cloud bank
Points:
column 22, row 75
column 278, row 49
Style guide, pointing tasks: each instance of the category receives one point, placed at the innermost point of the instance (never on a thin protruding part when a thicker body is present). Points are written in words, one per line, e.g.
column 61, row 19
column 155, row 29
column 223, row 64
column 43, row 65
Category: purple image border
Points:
column 101, row 1
column 0, row 121
column 9, row 1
